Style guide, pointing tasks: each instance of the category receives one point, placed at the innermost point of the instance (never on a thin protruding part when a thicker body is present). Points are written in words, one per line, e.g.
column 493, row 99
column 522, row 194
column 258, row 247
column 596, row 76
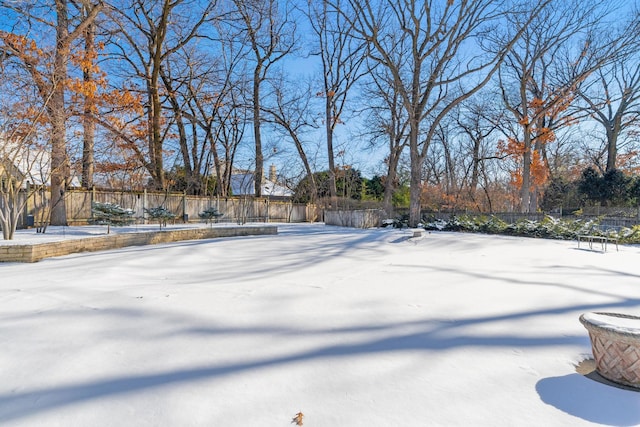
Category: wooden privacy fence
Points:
column 186, row 208
column 249, row 209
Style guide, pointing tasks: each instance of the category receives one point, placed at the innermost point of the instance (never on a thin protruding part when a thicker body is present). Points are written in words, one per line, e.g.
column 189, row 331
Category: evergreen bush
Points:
column 110, row 214
column 210, row 214
column 549, row 227
column 160, row 214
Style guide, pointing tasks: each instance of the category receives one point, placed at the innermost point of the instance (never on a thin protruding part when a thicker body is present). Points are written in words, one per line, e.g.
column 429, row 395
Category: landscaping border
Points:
column 39, row 251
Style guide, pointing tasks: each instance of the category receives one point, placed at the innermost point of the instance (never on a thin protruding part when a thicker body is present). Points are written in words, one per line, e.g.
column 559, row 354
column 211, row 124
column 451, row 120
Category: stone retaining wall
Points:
column 37, row 252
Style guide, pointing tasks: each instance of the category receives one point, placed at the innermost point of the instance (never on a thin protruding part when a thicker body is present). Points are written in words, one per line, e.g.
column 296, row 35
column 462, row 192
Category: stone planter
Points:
column 615, row 341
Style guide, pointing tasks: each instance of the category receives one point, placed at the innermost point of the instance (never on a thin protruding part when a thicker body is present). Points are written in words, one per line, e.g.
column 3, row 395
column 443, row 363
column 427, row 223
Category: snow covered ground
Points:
column 350, row 327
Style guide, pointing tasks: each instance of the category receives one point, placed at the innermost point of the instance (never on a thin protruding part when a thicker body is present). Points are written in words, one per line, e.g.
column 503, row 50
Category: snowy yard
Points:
column 350, row 327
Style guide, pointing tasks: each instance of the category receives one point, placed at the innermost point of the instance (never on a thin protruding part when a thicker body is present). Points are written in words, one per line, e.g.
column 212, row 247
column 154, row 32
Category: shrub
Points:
column 110, row 214
column 160, row 214
column 210, row 214
column 549, row 227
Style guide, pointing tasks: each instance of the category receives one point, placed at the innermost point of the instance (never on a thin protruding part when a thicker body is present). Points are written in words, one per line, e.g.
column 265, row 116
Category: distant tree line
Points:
column 613, row 188
column 350, row 185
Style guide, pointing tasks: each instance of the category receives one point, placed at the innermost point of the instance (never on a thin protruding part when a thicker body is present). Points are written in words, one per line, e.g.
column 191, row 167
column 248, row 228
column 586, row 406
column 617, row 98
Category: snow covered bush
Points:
column 478, row 224
column 400, row 222
column 110, row 214
column 629, row 235
column 160, row 214
column 548, row 227
column 492, row 225
column 435, row 224
column 210, row 215
column 389, row 222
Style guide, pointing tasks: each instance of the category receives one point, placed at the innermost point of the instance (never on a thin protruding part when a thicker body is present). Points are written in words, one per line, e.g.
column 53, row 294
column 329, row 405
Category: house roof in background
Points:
column 33, row 163
column 242, row 184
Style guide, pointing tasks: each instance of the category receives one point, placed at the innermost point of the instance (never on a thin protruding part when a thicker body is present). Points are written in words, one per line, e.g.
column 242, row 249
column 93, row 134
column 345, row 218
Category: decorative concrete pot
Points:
column 615, row 341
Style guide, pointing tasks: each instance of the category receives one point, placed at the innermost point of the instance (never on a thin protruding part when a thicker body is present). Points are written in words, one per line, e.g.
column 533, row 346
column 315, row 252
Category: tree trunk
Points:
column 525, row 190
column 88, row 124
column 259, row 171
column 392, row 176
column 220, row 188
column 307, row 166
column 475, row 167
column 451, row 184
column 612, row 148
column 333, row 187
column 155, row 142
column 415, row 189
column 178, row 118
column 59, row 161
column 59, row 158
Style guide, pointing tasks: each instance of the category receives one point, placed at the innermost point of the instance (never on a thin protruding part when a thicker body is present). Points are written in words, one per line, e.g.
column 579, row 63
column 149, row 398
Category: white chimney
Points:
column 272, row 173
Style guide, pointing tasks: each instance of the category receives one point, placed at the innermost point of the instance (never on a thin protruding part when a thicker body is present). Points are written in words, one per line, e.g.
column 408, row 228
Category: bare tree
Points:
column 476, row 120
column 611, row 97
column 51, row 81
column 152, row 32
column 425, row 47
column 270, row 35
column 24, row 170
column 230, row 129
column 184, row 77
column 387, row 124
column 214, row 97
column 89, row 108
column 342, row 57
column 24, row 158
column 539, row 78
column 290, row 111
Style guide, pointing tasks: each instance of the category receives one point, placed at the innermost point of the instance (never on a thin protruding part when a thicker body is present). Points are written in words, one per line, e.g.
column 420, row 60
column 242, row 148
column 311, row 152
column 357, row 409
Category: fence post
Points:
column 185, row 217
column 93, row 199
column 25, row 213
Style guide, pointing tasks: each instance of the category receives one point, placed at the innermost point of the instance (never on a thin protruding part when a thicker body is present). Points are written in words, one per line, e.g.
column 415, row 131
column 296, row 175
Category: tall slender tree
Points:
column 611, row 95
column 290, row 111
column 151, row 33
column 476, row 121
column 341, row 57
column 88, row 65
column 386, row 124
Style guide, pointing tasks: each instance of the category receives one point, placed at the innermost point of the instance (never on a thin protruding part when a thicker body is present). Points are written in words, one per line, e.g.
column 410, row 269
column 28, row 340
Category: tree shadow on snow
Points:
column 292, row 249
column 426, row 336
column 21, row 404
